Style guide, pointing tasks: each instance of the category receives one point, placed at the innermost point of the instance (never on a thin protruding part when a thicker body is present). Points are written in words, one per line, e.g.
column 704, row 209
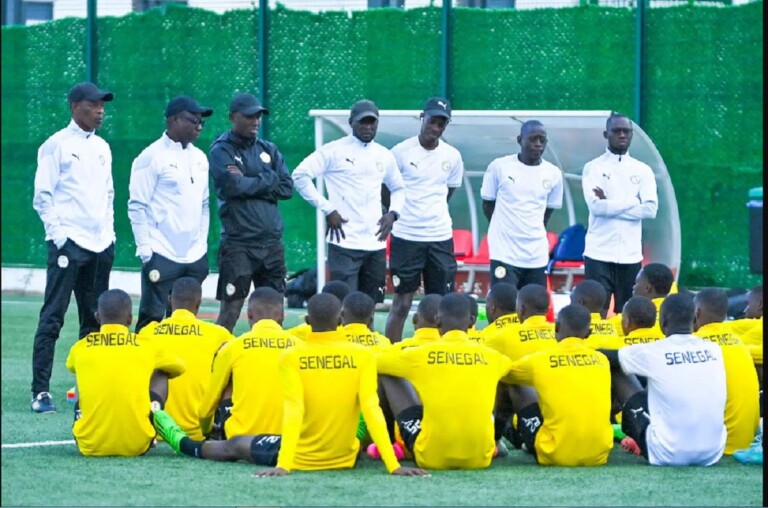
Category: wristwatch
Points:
column 396, row 215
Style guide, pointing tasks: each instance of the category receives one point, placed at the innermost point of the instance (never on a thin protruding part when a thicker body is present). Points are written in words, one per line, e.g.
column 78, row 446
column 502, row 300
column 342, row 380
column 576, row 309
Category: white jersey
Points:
column 353, row 172
column 427, row 175
column 168, row 203
column 686, row 398
column 615, row 227
column 74, row 194
column 516, row 234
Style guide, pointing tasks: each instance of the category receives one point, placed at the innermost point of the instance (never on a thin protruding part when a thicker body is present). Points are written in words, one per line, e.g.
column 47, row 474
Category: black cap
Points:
column 88, row 92
column 362, row 109
column 437, row 106
column 185, row 103
column 247, row 105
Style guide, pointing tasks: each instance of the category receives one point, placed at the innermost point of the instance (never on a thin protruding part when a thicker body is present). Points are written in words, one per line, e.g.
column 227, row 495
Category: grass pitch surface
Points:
column 56, row 475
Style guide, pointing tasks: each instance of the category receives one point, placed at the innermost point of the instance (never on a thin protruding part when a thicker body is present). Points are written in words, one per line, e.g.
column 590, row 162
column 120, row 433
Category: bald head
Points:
column 186, row 293
column 114, row 308
column 323, row 312
column 677, row 313
column 532, row 300
column 426, row 312
column 710, row 306
column 531, row 126
column 453, row 313
column 265, row 303
column 589, row 293
column 572, row 321
column 357, row 307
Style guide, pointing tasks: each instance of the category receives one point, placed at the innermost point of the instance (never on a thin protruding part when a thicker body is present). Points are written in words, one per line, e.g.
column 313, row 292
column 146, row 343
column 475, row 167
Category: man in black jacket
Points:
column 250, row 176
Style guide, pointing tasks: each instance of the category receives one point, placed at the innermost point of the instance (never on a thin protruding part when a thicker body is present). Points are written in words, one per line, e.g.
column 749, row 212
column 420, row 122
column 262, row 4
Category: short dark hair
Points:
column 114, row 306
column 474, row 308
column 504, row 296
column 660, row 277
column 591, row 293
column 186, row 292
column 640, row 311
column 323, row 311
column 358, row 307
column 614, row 116
column 713, row 301
column 535, row 297
column 266, row 296
column 454, row 312
column 428, row 307
column 677, row 311
column 337, row 288
column 575, row 318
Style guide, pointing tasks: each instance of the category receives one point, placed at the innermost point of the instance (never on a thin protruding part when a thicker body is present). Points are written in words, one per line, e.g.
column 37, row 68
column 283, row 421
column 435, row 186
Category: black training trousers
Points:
column 617, row 279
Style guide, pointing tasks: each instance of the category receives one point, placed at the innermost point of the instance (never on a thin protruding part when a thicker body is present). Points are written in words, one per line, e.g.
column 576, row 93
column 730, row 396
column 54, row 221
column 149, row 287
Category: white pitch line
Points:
column 39, row 443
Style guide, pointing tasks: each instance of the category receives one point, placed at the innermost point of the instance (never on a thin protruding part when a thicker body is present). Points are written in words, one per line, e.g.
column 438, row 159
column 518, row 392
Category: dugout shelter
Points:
column 575, row 137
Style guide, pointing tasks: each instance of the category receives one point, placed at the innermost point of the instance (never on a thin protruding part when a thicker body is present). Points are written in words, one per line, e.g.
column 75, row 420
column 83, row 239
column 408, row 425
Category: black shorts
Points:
column 635, row 419
column 409, row 422
column 361, row 270
column 239, row 265
column 409, row 261
column 264, row 449
column 518, row 277
column 529, row 420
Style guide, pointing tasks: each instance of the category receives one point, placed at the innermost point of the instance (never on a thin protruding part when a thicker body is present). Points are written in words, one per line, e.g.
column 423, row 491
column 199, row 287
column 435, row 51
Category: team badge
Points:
column 63, row 261
column 154, row 406
column 446, row 165
column 265, row 158
column 395, row 280
column 634, row 179
column 230, row 289
column 102, row 160
column 500, row 272
column 380, row 166
column 154, row 275
column 546, row 183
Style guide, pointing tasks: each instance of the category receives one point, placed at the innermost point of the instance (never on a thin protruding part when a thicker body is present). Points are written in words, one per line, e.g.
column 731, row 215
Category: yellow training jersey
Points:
column 300, row 331
column 420, row 337
column 456, row 380
column 327, row 382
column 750, row 331
column 474, row 334
column 250, row 362
column 518, row 340
column 499, row 325
column 742, row 403
column 113, row 367
column 600, row 326
column 358, row 333
column 638, row 336
column 196, row 342
column 574, row 386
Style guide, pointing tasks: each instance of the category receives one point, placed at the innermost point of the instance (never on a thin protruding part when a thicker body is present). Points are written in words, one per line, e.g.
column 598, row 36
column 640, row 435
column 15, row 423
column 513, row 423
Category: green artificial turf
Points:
column 58, row 475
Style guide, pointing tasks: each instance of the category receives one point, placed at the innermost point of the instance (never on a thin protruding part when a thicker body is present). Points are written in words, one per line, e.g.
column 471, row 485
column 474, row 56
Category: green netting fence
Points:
column 702, row 96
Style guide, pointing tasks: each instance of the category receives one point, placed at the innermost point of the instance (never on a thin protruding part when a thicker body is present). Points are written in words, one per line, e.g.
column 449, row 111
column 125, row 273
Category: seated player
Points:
column 638, row 325
column 591, row 294
column 449, row 424
column 473, row 333
column 425, row 324
column 357, row 311
column 742, row 405
column 750, row 328
column 242, row 370
column 678, row 421
column 337, row 288
column 326, row 382
column 194, row 341
column 120, row 376
column 500, row 310
column 654, row 281
column 569, row 426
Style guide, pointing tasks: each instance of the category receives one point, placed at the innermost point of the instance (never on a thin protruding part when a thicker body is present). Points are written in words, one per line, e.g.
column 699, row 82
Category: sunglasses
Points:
column 193, row 120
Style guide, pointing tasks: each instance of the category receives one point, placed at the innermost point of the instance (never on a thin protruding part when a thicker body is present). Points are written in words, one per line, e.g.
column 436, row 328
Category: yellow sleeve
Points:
column 494, row 341
column 374, row 418
column 293, row 410
column 220, row 376
column 148, row 330
column 521, row 371
column 756, row 352
column 71, row 358
column 171, row 365
column 392, row 362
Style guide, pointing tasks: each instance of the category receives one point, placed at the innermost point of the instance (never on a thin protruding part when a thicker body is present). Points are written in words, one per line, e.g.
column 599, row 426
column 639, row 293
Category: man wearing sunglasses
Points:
column 168, row 208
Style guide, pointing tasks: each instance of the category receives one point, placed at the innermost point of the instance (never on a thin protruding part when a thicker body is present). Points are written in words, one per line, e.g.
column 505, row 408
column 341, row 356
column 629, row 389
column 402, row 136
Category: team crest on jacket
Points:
column 102, row 160
column 446, row 165
column 154, row 275
column 265, row 158
column 546, row 183
column 500, row 272
column 634, row 179
column 63, row 261
column 380, row 166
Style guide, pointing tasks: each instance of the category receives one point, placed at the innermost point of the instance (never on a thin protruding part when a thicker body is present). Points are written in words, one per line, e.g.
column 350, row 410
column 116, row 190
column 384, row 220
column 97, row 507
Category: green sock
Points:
column 362, row 429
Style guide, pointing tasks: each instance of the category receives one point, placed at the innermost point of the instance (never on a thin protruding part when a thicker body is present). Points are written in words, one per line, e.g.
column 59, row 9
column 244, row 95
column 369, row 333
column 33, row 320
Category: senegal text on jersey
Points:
column 112, row 339
column 269, row 342
column 446, row 358
column 680, row 357
column 581, row 360
column 175, row 329
column 327, row 362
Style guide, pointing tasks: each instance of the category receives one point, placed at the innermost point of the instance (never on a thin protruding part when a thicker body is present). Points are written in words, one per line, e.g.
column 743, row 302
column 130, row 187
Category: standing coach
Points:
column 74, row 197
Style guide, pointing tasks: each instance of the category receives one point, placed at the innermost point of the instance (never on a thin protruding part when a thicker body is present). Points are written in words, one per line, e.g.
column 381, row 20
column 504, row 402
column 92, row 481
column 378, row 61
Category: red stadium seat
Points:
column 462, row 244
column 552, row 238
column 483, row 256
